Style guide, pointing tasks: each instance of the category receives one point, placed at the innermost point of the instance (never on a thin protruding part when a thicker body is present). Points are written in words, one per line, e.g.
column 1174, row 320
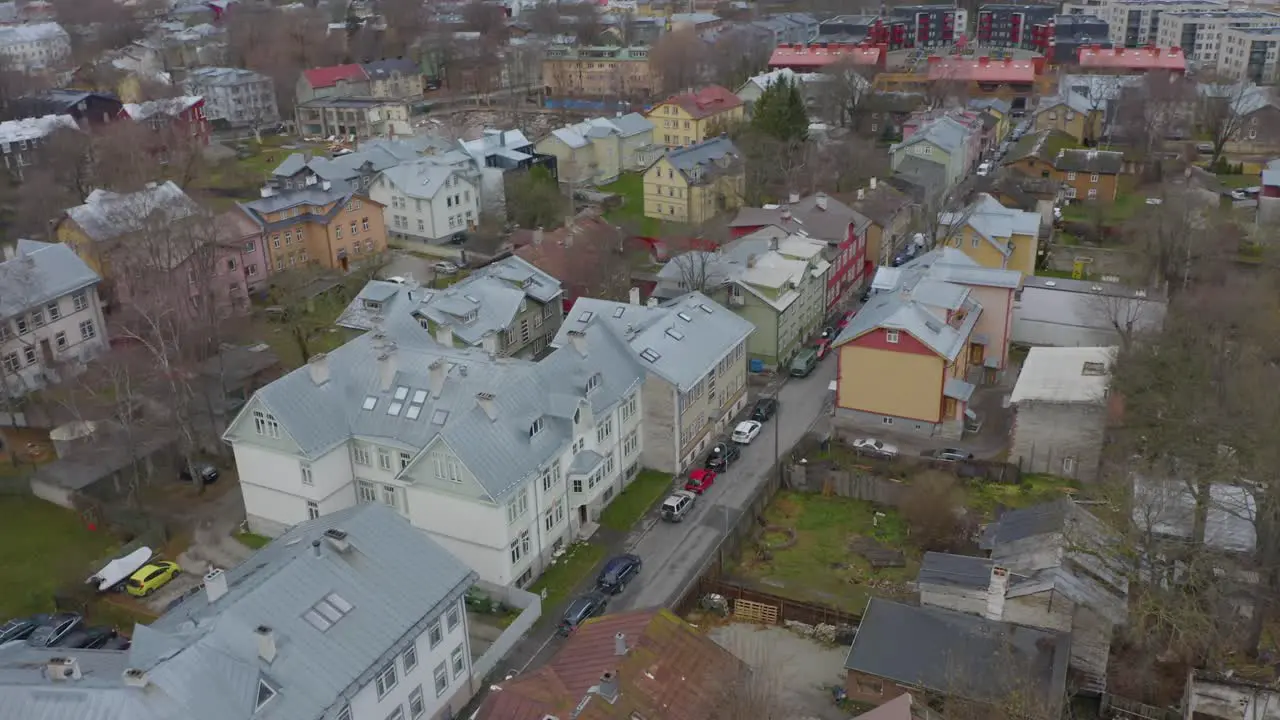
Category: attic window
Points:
column 1094, row 368
column 413, row 412
column 586, row 316
column 650, row 354
column 370, row 402
column 372, row 305
column 674, row 333
column 394, row 408
column 265, row 694
column 593, row 382
column 684, row 316
column 472, row 298
column 618, row 312
column 402, row 392
column 536, row 427
column 471, row 316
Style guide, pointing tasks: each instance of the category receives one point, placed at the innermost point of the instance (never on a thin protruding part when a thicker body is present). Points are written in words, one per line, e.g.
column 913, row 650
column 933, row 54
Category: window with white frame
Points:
column 264, row 423
column 555, row 515
column 605, row 430
column 87, row 330
column 55, row 312
column 391, row 496
column 1071, row 175
column 516, row 552
column 410, row 659
column 345, row 713
column 405, row 459
column 891, row 336
column 313, row 510
column 628, row 407
column 386, row 680
column 1093, row 193
column 518, row 506
column 441, row 675
column 631, row 443
column 434, row 634
column 452, row 618
column 384, row 459
column 397, row 714
column 80, row 300
column 417, row 708
column 459, row 661
column 366, row 492
column 360, row 454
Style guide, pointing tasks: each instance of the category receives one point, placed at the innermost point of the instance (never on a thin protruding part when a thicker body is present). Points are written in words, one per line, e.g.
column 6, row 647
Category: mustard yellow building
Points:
column 1071, row 115
column 993, row 235
column 688, row 118
column 692, row 184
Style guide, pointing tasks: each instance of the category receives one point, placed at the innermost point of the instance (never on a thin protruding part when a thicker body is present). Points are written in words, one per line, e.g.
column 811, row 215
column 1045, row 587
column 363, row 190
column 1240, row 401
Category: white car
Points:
column 984, row 169
column 444, row 267
column 746, row 431
column 878, row 448
column 397, row 279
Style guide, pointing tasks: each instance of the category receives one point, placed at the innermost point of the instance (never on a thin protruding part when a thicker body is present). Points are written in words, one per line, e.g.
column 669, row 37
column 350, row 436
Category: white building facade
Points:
column 425, row 202
column 38, row 46
column 1200, row 34
column 237, row 96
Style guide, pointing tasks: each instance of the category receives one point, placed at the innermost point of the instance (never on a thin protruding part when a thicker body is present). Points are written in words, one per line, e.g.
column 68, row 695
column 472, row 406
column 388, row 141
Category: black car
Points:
column 119, row 642
column 90, row 638
column 947, row 455
column 722, row 456
column 54, row 629
column 21, row 628
column 617, row 573
column 583, row 608
column 208, row 473
column 764, row 409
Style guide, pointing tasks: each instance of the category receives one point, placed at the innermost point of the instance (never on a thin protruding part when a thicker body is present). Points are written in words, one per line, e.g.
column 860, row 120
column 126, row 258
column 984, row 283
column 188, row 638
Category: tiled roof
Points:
column 329, row 76
column 798, row 56
column 38, row 273
column 705, row 102
column 669, row 671
column 982, row 69
column 1154, row 58
column 1106, row 162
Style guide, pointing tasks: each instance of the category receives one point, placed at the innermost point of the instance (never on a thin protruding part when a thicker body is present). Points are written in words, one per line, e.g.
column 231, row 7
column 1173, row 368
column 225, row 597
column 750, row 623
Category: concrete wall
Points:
column 530, row 610
column 661, row 451
column 1058, row 438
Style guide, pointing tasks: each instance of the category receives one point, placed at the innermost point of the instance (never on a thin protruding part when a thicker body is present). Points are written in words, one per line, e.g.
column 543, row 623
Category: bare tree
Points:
column 1220, row 111
column 678, row 59
column 484, row 18
column 1157, row 108
column 933, row 506
column 735, row 56
column 544, row 19
column 586, row 21
column 845, row 92
column 1130, row 315
column 1175, row 240
column 944, row 214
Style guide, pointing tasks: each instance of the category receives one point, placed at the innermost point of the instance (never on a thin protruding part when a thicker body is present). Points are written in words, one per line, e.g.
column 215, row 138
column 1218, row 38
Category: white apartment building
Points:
column 1249, row 54
column 426, row 202
column 237, row 96
column 1199, row 33
column 1136, row 23
column 50, row 315
column 33, row 47
column 501, row 461
column 20, row 140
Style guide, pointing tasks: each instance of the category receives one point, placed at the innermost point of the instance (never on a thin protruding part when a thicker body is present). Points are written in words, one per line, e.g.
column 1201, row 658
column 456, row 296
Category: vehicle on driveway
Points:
column 88, row 638
column 677, row 505
column 21, row 628
column 803, row 363
column 581, row 609
column 746, row 431
column 700, row 480
column 208, row 473
column 444, row 267
column 617, row 573
column 875, row 448
column 947, row 455
column 54, row 629
column 722, row 455
column 152, row 577
column 764, row 409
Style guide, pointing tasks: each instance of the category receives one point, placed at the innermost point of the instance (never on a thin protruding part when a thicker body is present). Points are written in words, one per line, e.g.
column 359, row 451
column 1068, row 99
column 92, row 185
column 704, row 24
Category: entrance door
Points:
column 582, row 515
column 345, row 263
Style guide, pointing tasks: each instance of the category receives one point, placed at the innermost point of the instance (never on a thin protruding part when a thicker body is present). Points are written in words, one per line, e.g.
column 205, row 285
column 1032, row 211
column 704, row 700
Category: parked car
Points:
column 947, row 454
column 764, row 409
column 583, row 608
column 700, row 480
column 828, row 333
column 54, row 629
column 21, row 628
column 119, row 642
column 1204, row 147
column 397, row 279
column 847, row 317
column 722, row 455
column 984, row 169
column 746, row 431
column 677, row 505
column 875, row 448
column 803, row 363
column 208, row 473
column 617, row 573
column 822, row 347
column 88, row 638
column 444, row 267
column 150, row 578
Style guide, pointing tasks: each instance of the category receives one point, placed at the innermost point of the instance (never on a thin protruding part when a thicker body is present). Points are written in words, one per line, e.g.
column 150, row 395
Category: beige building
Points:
column 1249, row 54
column 361, row 118
column 1136, row 23
column 597, row 150
column 1200, row 33
column 692, row 184
column 598, row 71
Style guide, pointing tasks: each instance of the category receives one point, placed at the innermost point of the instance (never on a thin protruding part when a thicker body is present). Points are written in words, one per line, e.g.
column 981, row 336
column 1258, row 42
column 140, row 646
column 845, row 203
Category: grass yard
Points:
column 570, row 569
column 1240, row 181
column 820, row 567
column 630, row 187
column 1126, row 205
column 42, row 547
column 241, row 178
column 649, row 487
column 983, row 497
column 252, row 541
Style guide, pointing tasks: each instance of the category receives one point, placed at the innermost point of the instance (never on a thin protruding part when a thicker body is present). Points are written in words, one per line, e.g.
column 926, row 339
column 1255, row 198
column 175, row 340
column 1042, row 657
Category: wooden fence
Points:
column 855, row 484
column 757, row 606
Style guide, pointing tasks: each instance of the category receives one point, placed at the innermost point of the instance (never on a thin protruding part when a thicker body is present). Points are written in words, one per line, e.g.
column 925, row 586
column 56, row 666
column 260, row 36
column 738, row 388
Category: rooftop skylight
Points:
column 370, row 402
column 402, row 392
column 394, row 408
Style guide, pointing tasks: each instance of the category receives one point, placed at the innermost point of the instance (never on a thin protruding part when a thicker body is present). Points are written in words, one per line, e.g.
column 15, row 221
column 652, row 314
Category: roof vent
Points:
column 620, row 644
column 608, row 687
column 337, row 539
column 1096, row 288
column 485, row 401
column 215, row 585
column 62, row 668
column 1140, row 293
column 133, row 677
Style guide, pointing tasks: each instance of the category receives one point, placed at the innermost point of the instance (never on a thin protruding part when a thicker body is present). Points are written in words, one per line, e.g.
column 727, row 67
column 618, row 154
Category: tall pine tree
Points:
column 780, row 113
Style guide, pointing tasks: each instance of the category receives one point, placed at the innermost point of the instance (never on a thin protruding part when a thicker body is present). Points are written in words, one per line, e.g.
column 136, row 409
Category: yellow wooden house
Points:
column 692, row 184
column 993, row 235
column 689, row 118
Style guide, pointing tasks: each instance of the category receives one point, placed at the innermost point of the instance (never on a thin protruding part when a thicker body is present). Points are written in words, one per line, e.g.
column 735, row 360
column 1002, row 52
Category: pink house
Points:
column 245, row 235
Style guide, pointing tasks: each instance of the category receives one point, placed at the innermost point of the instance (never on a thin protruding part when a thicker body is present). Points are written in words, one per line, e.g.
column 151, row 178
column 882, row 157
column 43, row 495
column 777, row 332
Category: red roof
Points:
column 329, row 76
column 1147, row 58
column 708, row 101
column 808, row 57
column 983, row 70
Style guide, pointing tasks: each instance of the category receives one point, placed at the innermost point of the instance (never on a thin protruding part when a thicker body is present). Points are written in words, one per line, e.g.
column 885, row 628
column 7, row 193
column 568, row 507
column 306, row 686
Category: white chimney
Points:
column 268, row 191
column 579, row 341
column 318, row 368
column 820, row 200
column 633, row 296
column 620, row 644
column 266, row 643
column 62, row 668
column 437, row 374
column 337, row 539
column 135, row 678
column 651, row 302
column 996, row 591
column 795, row 198
column 387, row 367
column 215, row 585
column 608, row 687
column 490, row 342
column 862, row 194
column 873, row 183
column 444, row 336
column 786, row 215
column 485, row 401
column 537, row 236
column 325, row 185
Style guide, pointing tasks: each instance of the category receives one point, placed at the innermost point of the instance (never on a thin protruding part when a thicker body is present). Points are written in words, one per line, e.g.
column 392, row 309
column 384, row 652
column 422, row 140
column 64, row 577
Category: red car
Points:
column 823, row 346
column 700, row 480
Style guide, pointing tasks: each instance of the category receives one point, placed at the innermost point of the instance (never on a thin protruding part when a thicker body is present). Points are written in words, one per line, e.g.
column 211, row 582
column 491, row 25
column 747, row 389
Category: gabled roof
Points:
column 895, row 311
column 167, row 107
column 764, row 81
column 314, row 196
column 38, row 273
column 807, row 216
column 669, row 671
column 946, row 132
column 952, row 653
column 34, row 128
column 1105, row 162
column 579, row 135
column 983, row 69
column 420, row 179
column 106, row 215
column 706, row 102
column 955, row 570
column 881, row 203
column 1044, row 145
column 697, row 163
column 995, row 222
column 679, row 340
column 380, row 69
column 329, row 76
column 1153, row 58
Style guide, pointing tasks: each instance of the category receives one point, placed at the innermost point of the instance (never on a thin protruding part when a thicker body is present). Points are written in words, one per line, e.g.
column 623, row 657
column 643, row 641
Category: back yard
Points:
column 42, row 547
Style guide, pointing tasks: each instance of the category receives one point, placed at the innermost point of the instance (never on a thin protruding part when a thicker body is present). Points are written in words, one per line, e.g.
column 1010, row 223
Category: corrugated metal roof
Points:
column 957, row 570
column 38, row 273
column 106, row 215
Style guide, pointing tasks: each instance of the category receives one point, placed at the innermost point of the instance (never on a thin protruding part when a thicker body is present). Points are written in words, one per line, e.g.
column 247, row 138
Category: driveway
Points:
column 403, row 264
column 796, row 673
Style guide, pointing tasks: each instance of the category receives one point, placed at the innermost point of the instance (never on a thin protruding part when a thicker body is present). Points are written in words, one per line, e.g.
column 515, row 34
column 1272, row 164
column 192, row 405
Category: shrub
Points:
column 933, row 506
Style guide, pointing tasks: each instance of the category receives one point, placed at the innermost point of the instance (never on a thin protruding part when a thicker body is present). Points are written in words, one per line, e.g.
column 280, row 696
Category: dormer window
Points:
column 536, row 427
column 593, row 382
column 471, row 316
column 372, row 305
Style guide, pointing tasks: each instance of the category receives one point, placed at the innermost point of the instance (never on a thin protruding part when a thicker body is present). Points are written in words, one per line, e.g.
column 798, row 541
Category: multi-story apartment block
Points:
column 893, row 32
column 1074, row 31
column 1199, row 33
column 508, row 308
column 394, row 78
column 933, row 25
column 598, row 71
column 336, row 81
column 1249, row 54
column 501, row 461
column 694, row 355
column 235, row 96
column 50, row 315
column 358, row 118
column 20, row 140
column 1025, row 27
column 1136, row 23
column 39, row 46
column 426, row 203
column 329, row 225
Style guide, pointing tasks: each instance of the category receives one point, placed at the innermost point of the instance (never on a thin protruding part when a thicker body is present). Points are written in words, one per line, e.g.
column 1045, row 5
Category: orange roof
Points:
column 983, row 70
column 669, row 672
column 1147, row 58
column 801, row 57
column 706, row 102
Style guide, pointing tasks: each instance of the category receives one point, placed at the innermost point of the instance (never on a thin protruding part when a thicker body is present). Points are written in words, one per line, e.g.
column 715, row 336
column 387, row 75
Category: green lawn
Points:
column 242, row 177
column 820, row 567
column 251, row 540
column 983, row 497
column 626, row 510
column 1124, row 207
column 562, row 579
column 630, row 187
column 42, row 548
column 1240, row 181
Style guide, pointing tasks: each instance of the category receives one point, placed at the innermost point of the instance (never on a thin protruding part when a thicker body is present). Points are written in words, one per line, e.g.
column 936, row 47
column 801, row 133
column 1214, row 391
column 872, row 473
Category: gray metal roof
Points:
column 954, row 653
column 686, row 336
column 38, row 273
column 899, row 311
column 694, row 161
column 422, row 179
column 314, row 195
column 995, row 222
column 945, row 132
column 106, row 215
column 379, row 69
column 956, row 570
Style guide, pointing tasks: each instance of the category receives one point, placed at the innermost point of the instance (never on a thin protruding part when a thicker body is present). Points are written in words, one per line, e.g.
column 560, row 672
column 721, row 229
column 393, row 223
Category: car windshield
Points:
column 41, row 635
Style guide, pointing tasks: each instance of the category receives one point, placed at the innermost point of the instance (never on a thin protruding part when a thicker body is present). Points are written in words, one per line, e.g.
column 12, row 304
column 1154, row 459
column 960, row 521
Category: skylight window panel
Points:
column 586, row 316
column 370, row 402
column 413, row 412
column 316, row 620
column 395, row 408
column 402, row 392
column 419, row 397
column 618, row 312
column 339, row 602
column 330, row 613
column 705, row 308
column 674, row 333
column 439, row 417
column 684, row 316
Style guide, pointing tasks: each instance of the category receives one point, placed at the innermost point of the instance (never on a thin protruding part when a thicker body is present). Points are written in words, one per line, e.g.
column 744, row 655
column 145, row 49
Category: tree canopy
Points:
column 780, row 112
